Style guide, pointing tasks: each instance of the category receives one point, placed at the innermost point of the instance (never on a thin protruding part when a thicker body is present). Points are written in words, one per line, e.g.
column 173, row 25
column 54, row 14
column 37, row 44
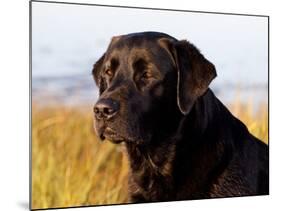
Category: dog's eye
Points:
column 109, row 72
column 146, row 75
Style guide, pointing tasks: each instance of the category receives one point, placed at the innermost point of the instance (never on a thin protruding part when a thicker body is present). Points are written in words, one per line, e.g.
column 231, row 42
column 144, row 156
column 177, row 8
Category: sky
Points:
column 68, row 39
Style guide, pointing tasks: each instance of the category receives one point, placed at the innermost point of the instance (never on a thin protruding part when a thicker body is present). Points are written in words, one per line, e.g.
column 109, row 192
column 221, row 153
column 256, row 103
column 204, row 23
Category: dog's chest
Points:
column 151, row 174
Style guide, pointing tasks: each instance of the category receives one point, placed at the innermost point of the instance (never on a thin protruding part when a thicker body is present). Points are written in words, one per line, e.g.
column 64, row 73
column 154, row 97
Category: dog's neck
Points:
column 172, row 158
column 151, row 157
column 151, row 172
column 195, row 125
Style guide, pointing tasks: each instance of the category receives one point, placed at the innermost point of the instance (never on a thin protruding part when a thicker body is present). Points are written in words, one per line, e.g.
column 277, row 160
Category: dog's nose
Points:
column 106, row 108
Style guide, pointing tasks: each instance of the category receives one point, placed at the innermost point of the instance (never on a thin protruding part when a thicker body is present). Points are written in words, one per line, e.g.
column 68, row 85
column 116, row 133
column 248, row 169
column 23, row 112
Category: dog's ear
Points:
column 195, row 72
column 96, row 72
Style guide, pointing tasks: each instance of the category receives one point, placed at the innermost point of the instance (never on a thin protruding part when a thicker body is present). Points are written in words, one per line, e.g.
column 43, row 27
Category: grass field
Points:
column 71, row 167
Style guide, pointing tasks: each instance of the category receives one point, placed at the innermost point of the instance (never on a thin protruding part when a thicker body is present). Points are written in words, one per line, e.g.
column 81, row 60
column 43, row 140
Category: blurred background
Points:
column 68, row 162
column 68, row 39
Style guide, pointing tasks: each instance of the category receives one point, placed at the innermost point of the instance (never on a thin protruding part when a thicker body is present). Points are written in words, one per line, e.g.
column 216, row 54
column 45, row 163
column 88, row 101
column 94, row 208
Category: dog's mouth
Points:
column 112, row 136
column 105, row 132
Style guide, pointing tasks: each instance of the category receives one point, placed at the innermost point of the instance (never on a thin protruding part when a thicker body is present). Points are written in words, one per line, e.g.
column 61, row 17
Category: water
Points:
column 81, row 90
column 67, row 90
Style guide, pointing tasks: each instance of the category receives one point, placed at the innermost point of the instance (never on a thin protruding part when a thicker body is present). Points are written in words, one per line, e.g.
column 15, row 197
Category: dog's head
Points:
column 147, row 81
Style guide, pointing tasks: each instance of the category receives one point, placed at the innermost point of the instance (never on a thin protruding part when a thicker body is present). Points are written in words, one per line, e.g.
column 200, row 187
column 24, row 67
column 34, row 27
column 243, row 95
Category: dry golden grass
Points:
column 70, row 167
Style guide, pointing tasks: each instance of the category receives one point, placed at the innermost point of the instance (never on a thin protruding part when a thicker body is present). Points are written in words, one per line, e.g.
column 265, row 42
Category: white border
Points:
column 14, row 92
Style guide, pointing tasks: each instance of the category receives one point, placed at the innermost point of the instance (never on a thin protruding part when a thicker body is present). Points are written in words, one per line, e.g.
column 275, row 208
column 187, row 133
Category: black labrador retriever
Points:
column 182, row 142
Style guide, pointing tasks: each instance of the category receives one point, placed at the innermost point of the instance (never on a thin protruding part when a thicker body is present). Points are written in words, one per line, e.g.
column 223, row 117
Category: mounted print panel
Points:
column 136, row 105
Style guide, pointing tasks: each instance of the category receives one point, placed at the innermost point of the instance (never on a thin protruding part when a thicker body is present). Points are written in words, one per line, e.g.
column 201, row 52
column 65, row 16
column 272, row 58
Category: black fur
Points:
column 182, row 142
